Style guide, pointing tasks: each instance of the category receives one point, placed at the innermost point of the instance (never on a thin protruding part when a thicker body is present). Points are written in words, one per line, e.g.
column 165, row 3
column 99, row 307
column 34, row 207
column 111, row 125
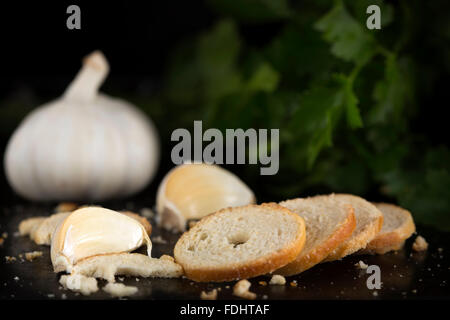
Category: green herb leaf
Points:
column 359, row 8
column 347, row 98
column 217, row 53
column 313, row 122
column 265, row 78
column 206, row 69
column 393, row 92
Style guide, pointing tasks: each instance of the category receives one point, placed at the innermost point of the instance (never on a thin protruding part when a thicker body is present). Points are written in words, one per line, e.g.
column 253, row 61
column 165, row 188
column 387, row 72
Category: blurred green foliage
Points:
column 342, row 96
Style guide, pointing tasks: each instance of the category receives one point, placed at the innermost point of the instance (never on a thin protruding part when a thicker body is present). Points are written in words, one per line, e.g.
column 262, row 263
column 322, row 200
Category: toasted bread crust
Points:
column 353, row 246
column 315, row 256
column 263, row 265
column 358, row 242
column 394, row 240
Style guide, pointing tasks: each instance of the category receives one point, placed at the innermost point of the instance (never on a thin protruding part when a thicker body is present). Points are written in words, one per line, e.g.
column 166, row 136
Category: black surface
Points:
column 405, row 275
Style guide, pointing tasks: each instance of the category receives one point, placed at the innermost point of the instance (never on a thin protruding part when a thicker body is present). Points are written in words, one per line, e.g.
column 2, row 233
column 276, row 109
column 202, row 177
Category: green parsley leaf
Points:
column 349, row 41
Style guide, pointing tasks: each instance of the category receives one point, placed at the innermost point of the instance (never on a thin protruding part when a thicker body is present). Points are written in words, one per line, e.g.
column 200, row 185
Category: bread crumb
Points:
column 79, row 283
column 2, row 241
column 119, row 290
column 66, row 207
column 263, row 283
column 148, row 213
column 9, row 259
column 241, row 289
column 192, row 223
column 51, row 295
column 30, row 256
column 64, row 296
column 277, row 280
column 361, row 265
column 167, row 258
column 16, row 278
column 420, row 244
column 5, row 235
column 159, row 240
column 211, row 295
column 293, row 283
column 375, row 294
column 265, row 297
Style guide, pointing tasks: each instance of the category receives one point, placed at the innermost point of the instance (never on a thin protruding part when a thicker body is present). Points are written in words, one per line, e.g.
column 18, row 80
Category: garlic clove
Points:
column 192, row 191
column 93, row 231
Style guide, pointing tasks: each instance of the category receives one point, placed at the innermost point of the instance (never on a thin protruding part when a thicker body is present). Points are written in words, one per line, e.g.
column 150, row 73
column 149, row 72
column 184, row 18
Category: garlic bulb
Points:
column 192, row 191
column 93, row 231
column 84, row 145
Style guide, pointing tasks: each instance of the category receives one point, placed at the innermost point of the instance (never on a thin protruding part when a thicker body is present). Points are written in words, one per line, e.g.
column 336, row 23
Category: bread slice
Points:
column 368, row 223
column 43, row 233
column 328, row 224
column 398, row 225
column 240, row 242
column 128, row 264
column 40, row 229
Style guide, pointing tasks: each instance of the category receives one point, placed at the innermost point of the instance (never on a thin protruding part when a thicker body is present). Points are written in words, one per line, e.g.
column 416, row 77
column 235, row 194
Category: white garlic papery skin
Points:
column 84, row 145
column 192, row 191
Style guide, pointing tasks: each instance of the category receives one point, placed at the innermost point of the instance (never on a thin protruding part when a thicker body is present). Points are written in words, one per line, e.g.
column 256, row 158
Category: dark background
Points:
column 136, row 36
column 39, row 56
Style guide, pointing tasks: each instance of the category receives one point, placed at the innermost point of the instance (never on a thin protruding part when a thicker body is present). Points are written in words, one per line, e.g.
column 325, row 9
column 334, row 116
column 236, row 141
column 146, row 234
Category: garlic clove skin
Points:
column 93, row 231
column 192, row 191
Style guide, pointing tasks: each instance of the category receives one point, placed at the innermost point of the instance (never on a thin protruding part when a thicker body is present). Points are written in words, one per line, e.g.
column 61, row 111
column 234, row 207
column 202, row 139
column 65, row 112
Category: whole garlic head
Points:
column 93, row 231
column 192, row 191
column 84, row 145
